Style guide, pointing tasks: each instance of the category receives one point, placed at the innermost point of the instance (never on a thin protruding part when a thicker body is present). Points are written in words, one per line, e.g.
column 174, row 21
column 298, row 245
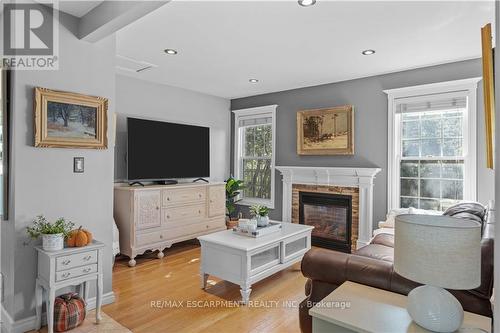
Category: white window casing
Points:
column 244, row 118
column 418, row 98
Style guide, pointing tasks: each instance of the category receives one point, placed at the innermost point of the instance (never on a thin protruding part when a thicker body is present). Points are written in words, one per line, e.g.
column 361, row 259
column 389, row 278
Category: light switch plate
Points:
column 78, row 165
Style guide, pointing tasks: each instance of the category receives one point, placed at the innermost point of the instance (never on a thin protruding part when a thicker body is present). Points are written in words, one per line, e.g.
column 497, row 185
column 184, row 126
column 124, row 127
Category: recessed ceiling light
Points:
column 368, row 52
column 307, row 3
column 253, row 80
column 170, row 51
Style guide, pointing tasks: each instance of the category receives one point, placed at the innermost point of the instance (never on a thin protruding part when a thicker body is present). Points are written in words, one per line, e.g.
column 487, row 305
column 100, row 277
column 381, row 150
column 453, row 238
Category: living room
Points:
column 270, row 166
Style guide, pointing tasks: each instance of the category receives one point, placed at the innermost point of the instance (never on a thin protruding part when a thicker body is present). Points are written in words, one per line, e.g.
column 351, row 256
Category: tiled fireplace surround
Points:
column 355, row 182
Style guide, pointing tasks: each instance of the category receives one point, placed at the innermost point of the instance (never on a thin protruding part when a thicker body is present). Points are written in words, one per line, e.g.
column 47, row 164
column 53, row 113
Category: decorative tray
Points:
column 261, row 231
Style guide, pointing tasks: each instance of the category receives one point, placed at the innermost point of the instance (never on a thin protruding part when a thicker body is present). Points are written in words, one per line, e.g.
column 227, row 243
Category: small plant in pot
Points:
column 233, row 189
column 52, row 234
column 260, row 213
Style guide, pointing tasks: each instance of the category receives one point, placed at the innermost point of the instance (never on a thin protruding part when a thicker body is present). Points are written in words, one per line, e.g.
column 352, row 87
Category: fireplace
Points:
column 331, row 216
column 356, row 182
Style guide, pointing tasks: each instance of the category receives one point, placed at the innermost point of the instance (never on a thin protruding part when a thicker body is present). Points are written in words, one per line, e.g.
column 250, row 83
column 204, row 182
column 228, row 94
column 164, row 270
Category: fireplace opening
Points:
column 331, row 217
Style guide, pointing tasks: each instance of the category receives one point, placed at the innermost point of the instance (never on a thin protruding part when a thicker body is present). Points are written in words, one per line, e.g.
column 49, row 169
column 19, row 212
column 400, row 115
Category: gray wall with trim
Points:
column 370, row 119
column 42, row 179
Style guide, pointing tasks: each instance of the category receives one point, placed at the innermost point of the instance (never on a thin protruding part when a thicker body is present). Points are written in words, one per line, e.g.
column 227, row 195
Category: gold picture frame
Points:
column 70, row 120
column 489, row 93
column 328, row 131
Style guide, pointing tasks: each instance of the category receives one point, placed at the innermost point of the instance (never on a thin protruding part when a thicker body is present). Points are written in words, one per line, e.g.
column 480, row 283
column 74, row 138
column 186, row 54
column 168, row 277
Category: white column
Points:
column 287, row 196
column 365, row 211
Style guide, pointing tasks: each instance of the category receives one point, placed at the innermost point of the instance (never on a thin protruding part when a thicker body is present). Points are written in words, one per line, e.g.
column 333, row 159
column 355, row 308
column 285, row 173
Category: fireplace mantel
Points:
column 333, row 176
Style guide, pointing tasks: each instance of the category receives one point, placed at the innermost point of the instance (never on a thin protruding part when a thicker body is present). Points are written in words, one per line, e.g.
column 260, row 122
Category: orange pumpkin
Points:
column 79, row 237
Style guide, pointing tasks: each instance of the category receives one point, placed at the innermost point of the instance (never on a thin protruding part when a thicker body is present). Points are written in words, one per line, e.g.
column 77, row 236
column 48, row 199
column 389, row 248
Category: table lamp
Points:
column 439, row 252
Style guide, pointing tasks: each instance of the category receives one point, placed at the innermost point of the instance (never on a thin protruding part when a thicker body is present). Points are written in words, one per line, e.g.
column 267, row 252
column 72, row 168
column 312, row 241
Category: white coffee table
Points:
column 245, row 260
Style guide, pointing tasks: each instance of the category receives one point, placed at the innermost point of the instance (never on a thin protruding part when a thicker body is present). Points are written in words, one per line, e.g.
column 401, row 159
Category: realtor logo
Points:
column 29, row 36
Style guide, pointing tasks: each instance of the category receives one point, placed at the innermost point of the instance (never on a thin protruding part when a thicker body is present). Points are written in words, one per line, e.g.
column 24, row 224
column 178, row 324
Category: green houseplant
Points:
column 52, row 234
column 233, row 189
column 261, row 214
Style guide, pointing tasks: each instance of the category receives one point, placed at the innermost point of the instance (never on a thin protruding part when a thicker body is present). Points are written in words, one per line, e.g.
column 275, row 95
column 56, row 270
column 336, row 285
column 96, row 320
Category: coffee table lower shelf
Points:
column 244, row 261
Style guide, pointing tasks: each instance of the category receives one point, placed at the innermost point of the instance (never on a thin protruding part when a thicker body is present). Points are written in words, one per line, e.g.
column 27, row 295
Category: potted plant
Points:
column 260, row 213
column 233, row 189
column 53, row 234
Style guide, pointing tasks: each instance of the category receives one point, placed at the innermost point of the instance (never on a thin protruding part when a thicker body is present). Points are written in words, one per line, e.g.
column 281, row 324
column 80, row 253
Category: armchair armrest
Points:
column 336, row 268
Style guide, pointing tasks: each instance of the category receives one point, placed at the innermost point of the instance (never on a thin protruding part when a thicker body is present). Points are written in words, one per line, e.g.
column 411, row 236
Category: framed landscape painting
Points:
column 70, row 120
column 327, row 131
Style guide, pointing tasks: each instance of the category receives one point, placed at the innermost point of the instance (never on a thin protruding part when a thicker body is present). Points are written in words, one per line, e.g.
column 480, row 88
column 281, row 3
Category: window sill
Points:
column 250, row 202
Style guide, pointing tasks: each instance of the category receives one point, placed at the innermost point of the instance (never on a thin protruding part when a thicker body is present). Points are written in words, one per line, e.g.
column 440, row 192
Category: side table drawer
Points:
column 76, row 260
column 75, row 272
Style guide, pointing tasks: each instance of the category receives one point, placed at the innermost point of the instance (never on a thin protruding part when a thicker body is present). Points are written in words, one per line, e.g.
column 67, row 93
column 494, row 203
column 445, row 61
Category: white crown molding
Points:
column 256, row 110
column 464, row 84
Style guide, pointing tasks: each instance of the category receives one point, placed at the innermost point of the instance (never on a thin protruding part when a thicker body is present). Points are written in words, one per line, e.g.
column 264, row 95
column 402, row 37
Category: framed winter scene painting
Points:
column 70, row 120
column 327, row 131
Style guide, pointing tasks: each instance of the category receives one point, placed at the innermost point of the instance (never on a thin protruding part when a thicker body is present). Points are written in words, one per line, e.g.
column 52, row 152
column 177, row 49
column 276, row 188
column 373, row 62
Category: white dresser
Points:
column 155, row 217
column 73, row 266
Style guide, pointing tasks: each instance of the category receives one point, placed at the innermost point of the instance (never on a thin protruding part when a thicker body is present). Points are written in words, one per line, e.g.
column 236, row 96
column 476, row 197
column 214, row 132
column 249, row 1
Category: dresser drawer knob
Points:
column 168, row 216
column 199, row 211
column 65, row 275
column 199, row 195
column 157, row 208
column 168, row 199
column 161, row 236
column 86, row 270
column 66, row 262
column 207, row 226
column 87, row 258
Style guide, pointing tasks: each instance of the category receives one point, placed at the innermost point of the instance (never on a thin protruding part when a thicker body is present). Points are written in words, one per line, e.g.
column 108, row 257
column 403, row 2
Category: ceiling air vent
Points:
column 132, row 65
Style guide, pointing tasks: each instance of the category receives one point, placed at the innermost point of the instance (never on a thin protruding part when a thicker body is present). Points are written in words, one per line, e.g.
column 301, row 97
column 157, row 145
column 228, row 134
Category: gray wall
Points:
column 43, row 178
column 370, row 104
column 148, row 100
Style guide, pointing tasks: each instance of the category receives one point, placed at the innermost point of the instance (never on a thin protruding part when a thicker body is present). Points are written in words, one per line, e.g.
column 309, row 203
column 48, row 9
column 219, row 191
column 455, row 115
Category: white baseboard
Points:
column 28, row 324
column 5, row 321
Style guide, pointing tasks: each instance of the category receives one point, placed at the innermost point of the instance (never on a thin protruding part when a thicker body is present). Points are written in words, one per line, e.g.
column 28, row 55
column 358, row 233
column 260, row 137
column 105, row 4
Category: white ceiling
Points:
column 78, row 8
column 223, row 44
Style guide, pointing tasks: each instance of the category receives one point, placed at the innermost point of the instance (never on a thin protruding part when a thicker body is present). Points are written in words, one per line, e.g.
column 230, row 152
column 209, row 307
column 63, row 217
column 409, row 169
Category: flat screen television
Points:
column 159, row 150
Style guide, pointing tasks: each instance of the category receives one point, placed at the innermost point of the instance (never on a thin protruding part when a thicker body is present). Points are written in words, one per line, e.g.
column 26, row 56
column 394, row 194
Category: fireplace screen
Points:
column 330, row 215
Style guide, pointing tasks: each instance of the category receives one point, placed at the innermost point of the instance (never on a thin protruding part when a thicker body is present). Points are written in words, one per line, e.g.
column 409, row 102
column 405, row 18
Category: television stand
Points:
column 202, row 179
column 136, row 183
column 167, row 182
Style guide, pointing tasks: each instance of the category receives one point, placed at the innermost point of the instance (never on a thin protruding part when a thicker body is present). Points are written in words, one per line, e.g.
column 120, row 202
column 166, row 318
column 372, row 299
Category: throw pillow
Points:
column 468, row 210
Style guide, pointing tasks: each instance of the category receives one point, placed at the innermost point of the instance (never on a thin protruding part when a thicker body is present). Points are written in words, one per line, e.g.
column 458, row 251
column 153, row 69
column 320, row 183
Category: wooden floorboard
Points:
column 176, row 278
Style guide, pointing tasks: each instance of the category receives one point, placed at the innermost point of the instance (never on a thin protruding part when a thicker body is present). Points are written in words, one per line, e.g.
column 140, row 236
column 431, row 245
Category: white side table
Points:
column 74, row 266
column 355, row 307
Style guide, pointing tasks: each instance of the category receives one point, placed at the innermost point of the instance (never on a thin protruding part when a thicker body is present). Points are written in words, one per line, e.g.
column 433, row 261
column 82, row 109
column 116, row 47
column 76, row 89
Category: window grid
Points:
column 428, row 186
column 255, row 167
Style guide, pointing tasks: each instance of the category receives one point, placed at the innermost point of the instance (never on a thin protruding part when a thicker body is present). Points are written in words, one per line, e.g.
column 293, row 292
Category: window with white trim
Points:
column 254, row 153
column 432, row 154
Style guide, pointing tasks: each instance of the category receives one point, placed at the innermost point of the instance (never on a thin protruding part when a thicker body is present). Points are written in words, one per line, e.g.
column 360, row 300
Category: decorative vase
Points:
column 262, row 221
column 53, row 242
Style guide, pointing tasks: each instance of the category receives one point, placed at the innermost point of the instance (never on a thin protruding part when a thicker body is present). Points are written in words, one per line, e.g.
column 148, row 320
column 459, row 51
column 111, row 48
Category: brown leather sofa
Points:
column 372, row 265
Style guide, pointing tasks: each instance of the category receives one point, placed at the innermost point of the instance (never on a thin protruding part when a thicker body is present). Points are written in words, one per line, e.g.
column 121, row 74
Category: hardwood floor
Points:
column 176, row 278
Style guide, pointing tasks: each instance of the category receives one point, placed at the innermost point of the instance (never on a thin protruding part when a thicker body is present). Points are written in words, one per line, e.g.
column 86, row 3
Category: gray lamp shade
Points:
column 440, row 251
